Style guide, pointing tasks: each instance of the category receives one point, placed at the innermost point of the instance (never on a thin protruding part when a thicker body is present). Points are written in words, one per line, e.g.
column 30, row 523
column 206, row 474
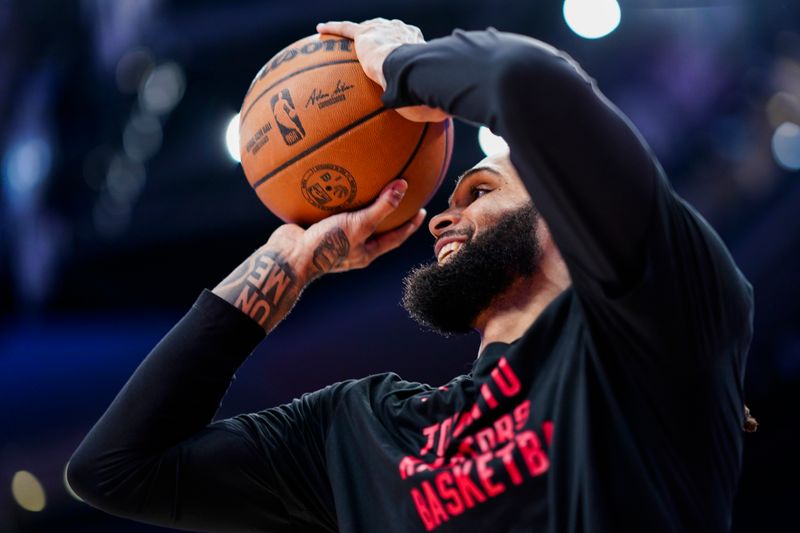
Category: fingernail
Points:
column 397, row 191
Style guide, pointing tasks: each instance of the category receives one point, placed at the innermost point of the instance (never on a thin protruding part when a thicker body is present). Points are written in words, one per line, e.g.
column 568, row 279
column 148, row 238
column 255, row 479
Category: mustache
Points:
column 466, row 232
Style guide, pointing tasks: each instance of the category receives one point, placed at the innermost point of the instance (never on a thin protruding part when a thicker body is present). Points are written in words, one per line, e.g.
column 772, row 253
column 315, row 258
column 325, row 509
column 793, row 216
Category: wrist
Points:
column 328, row 251
column 265, row 286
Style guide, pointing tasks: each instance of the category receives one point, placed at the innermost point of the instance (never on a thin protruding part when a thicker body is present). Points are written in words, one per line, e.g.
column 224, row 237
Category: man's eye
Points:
column 477, row 192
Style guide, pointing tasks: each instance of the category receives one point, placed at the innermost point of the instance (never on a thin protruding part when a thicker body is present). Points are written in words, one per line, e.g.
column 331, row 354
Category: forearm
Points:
column 587, row 170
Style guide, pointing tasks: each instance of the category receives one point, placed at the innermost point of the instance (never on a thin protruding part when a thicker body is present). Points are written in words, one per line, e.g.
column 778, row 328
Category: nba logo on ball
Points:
column 286, row 117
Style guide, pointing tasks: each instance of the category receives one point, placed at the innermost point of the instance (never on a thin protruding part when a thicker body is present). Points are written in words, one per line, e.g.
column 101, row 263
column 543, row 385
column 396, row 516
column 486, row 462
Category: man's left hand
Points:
column 374, row 40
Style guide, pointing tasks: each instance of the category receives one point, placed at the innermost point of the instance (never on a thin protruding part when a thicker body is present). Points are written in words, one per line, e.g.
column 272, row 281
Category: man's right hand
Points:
column 268, row 283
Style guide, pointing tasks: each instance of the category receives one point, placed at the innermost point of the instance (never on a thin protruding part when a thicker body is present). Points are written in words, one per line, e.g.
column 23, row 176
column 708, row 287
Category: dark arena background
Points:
column 120, row 203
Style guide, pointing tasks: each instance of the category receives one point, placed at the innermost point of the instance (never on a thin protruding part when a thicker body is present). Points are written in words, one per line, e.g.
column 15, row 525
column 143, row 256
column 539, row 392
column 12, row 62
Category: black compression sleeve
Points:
column 179, row 386
column 152, row 455
column 587, row 170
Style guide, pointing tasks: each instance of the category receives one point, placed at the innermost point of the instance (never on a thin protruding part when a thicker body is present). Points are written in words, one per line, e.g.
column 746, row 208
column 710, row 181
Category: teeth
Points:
column 448, row 249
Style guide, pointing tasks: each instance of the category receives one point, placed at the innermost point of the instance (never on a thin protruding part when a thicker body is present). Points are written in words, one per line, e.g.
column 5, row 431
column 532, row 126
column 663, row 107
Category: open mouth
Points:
column 448, row 251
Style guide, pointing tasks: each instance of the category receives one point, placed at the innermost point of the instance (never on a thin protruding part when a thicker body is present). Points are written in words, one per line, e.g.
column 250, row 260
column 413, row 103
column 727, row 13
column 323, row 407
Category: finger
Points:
column 422, row 113
column 390, row 197
column 385, row 242
column 345, row 28
column 377, row 20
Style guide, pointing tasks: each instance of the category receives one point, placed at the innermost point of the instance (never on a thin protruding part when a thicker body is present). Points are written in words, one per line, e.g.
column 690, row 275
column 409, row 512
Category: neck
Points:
column 516, row 309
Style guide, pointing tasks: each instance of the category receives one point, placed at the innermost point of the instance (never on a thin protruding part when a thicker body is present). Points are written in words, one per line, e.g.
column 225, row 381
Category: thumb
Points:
column 387, row 201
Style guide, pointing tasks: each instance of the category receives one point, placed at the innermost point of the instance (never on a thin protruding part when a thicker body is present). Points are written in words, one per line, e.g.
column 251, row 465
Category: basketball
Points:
column 315, row 138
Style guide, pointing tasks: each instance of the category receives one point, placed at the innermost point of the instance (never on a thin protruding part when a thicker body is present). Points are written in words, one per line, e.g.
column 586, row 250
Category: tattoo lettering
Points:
column 237, row 276
column 331, row 251
column 260, row 291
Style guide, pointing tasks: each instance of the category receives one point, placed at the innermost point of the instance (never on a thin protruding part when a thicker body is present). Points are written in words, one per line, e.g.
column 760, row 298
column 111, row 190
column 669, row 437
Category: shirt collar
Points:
column 488, row 358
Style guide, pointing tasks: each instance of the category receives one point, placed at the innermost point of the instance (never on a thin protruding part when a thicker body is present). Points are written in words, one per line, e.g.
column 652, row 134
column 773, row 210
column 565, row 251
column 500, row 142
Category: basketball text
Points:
column 461, row 467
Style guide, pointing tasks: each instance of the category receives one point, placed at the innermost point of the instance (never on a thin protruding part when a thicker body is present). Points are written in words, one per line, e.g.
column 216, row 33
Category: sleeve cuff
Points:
column 243, row 331
column 396, row 95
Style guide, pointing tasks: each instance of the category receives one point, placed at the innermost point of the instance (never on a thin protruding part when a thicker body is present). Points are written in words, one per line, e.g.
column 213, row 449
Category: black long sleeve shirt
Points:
column 618, row 410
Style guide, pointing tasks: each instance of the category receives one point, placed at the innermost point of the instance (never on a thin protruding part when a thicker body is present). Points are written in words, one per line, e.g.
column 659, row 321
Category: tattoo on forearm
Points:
column 265, row 287
column 331, row 251
column 265, row 291
column 238, row 276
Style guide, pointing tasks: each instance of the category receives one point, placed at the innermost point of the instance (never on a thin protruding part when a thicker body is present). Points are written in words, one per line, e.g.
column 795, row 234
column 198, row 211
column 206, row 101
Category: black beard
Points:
column 448, row 298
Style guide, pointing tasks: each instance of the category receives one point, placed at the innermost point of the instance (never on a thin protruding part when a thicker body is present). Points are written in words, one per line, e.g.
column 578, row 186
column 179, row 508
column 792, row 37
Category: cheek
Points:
column 476, row 219
column 486, row 212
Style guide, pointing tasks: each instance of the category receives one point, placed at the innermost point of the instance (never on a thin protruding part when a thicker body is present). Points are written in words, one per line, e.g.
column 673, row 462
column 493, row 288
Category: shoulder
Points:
column 379, row 387
column 689, row 295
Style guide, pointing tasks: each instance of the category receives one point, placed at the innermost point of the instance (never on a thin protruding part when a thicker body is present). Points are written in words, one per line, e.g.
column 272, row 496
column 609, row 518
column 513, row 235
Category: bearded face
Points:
column 447, row 295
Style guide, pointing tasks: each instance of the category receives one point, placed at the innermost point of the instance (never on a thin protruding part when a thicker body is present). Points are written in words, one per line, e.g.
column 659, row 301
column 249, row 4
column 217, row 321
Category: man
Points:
column 607, row 393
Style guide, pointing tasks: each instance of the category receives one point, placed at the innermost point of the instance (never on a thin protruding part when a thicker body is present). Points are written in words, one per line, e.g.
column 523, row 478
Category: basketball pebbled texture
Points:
column 315, row 138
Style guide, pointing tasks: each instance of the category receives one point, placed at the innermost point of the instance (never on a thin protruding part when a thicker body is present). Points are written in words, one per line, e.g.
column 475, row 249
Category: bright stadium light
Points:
column 232, row 138
column 592, row 19
column 489, row 142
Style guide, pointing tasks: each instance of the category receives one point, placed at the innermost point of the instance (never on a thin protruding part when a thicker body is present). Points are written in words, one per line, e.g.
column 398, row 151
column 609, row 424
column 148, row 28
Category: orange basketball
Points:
column 316, row 140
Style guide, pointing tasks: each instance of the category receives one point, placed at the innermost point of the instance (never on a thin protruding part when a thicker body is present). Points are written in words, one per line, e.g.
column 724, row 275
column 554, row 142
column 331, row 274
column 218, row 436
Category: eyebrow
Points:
column 467, row 174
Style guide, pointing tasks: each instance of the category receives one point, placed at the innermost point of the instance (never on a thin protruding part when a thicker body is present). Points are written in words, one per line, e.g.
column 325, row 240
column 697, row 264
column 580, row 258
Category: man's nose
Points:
column 442, row 221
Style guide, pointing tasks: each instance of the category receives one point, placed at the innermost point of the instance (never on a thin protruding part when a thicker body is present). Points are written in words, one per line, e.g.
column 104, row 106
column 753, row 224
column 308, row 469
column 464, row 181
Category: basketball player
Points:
column 607, row 391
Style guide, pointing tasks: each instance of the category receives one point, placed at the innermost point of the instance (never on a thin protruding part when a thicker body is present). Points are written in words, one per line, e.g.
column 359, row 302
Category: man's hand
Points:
column 374, row 40
column 347, row 241
column 266, row 286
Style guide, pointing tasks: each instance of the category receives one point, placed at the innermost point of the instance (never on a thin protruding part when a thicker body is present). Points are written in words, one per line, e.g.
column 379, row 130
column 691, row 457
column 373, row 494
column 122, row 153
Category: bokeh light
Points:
column 142, row 137
column 28, row 491
column 232, row 138
column 592, row 19
column 489, row 142
column 132, row 69
column 162, row 89
column 125, row 178
column 26, row 164
column 786, row 145
column 783, row 107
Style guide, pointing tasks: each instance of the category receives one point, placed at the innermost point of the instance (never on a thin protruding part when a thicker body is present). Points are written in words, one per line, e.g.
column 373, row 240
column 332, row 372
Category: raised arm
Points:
column 154, row 455
column 587, row 170
column 617, row 222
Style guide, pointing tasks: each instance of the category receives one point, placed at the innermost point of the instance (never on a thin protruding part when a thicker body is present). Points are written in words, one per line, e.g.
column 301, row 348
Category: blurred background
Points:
column 120, row 202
